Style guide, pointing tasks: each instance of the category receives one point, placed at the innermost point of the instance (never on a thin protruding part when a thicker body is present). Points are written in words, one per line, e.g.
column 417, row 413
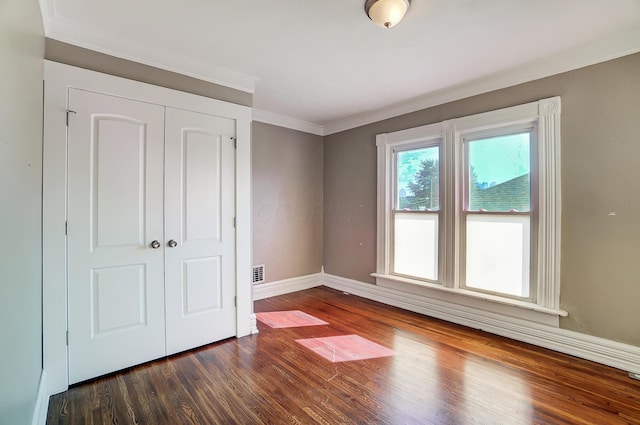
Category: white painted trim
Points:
column 383, row 158
column 588, row 54
column 385, row 145
column 253, row 319
column 42, row 402
column 54, row 248
column 287, row 122
column 478, row 300
column 600, row 350
column 286, row 286
column 244, row 225
column 544, row 115
column 58, row 79
column 549, row 202
column 47, row 13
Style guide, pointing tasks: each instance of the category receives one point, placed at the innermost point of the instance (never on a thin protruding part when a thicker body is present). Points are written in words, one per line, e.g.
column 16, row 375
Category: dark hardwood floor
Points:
column 441, row 374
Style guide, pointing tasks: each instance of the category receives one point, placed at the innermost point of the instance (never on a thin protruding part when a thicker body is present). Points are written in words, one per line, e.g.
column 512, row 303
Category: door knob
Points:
column 172, row 244
column 155, row 244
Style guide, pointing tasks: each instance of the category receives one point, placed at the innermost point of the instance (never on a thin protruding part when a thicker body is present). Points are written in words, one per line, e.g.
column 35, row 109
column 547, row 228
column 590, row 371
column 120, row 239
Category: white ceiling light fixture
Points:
column 386, row 13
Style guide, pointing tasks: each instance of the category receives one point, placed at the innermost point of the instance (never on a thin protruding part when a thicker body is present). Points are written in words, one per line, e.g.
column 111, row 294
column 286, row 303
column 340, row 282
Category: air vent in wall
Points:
column 258, row 274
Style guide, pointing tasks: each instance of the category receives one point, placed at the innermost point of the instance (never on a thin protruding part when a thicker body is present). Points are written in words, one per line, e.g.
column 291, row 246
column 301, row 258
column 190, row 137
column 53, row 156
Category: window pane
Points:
column 416, row 245
column 499, row 173
column 498, row 248
column 418, row 179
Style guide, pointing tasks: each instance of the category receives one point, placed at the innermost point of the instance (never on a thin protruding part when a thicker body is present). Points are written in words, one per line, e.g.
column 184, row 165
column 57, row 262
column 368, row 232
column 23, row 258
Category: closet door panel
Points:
column 199, row 228
column 115, row 193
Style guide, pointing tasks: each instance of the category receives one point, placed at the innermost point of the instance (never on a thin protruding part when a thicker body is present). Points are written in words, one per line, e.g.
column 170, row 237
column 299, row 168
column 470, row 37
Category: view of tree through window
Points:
column 416, row 219
column 418, row 182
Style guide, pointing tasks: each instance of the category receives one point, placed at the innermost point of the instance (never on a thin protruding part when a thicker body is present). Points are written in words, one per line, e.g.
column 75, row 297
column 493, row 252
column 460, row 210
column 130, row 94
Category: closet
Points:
column 149, row 181
column 150, row 232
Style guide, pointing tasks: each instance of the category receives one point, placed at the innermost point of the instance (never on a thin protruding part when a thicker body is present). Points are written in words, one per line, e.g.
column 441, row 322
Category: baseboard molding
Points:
column 253, row 324
column 600, row 350
column 42, row 402
column 281, row 287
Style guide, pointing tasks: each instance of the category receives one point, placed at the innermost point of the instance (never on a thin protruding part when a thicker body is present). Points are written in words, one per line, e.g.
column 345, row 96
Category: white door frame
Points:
column 58, row 79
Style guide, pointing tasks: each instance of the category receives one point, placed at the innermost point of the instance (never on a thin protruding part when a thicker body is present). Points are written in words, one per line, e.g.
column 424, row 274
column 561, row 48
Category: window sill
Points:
column 422, row 288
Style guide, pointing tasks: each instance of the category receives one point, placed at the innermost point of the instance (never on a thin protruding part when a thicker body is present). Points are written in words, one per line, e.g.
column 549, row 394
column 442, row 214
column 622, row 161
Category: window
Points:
column 472, row 206
column 416, row 212
column 497, row 213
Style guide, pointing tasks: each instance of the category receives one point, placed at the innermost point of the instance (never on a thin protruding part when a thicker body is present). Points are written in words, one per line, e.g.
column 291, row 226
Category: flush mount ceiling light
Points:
column 386, row 13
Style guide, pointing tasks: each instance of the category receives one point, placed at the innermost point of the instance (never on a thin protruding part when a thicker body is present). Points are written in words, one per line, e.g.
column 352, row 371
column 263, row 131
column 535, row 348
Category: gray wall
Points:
column 287, row 201
column 58, row 51
column 600, row 286
column 21, row 53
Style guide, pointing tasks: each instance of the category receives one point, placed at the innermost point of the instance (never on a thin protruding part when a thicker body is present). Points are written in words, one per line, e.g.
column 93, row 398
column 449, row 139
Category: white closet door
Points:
column 115, row 212
column 199, row 229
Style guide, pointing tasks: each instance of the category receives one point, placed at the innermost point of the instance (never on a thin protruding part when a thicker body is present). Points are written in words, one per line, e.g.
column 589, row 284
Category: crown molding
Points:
column 79, row 34
column 287, row 122
column 47, row 13
column 613, row 47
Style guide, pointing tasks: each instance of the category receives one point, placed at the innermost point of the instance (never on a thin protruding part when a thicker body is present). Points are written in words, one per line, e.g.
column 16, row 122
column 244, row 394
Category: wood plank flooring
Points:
column 441, row 374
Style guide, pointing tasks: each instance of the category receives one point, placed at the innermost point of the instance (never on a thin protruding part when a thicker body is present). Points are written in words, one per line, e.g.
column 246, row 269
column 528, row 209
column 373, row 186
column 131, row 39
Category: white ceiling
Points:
column 323, row 66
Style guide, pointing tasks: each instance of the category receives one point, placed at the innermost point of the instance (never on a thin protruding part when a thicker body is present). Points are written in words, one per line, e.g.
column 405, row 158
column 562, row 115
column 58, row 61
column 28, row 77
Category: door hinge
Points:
column 235, row 301
column 69, row 111
column 235, row 143
column 67, row 338
column 235, row 222
column 66, row 228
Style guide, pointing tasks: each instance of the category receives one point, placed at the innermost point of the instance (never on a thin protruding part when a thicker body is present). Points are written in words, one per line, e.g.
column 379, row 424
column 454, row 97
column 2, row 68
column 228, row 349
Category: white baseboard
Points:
column 281, row 287
column 600, row 350
column 253, row 324
column 42, row 402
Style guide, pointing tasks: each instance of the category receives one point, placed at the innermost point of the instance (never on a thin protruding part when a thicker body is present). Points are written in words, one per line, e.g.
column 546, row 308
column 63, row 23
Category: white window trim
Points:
column 544, row 115
column 386, row 143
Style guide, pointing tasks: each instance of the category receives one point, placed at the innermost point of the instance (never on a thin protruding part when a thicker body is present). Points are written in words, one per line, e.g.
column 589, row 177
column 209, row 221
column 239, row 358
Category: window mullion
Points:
column 449, row 206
